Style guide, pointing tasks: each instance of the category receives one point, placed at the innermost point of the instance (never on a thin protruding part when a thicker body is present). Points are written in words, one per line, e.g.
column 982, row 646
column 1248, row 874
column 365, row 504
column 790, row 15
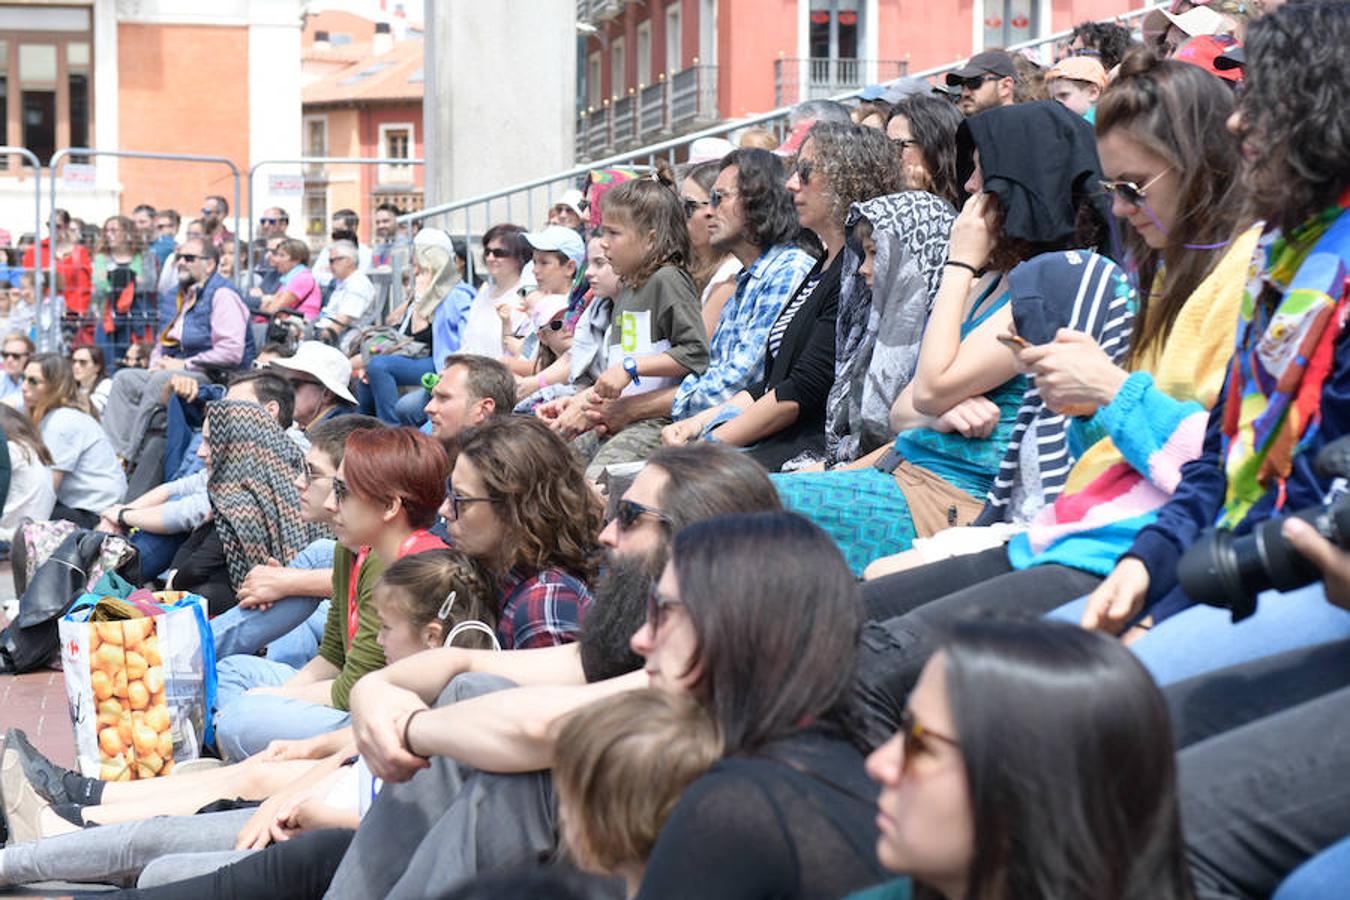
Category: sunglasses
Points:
column 497, row 252
column 716, row 198
column 8, row 355
column 1128, row 191
column 973, row 83
column 693, row 206
column 903, row 144
column 458, row 500
column 32, row 382
column 629, row 512
column 656, row 609
column 555, row 325
column 268, row 221
column 81, row 362
column 310, row 475
column 188, row 257
column 804, row 167
column 914, row 736
column 210, row 211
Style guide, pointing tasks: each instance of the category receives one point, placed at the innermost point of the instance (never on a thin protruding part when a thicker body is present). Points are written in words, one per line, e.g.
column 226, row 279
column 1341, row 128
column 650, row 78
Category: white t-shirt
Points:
column 93, row 478
column 727, row 271
column 353, row 298
column 30, row 490
column 483, row 327
column 323, row 272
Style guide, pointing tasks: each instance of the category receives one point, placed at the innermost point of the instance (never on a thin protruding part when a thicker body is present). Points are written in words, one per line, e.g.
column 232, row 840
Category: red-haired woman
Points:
column 383, row 499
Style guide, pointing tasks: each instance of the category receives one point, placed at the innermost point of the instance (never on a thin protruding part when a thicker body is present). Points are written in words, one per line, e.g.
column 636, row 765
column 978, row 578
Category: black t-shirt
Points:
column 795, row 819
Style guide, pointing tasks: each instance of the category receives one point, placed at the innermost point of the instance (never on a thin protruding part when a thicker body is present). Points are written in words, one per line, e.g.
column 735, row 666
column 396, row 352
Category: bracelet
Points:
column 967, row 266
column 122, row 518
column 407, row 724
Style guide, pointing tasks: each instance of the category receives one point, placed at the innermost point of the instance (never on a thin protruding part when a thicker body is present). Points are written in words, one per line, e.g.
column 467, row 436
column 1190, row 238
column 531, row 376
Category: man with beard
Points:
column 203, row 327
column 465, row 813
column 986, row 81
column 214, row 210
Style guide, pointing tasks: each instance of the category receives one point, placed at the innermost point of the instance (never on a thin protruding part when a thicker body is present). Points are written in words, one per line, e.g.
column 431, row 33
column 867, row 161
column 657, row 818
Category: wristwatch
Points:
column 630, row 366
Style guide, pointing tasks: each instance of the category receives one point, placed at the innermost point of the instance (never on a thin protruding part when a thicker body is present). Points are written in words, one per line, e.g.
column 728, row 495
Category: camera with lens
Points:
column 1225, row 570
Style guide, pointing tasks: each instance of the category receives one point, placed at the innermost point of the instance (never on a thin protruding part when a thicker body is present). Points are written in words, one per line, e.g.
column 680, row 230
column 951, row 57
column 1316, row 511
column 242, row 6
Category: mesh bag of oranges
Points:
column 140, row 680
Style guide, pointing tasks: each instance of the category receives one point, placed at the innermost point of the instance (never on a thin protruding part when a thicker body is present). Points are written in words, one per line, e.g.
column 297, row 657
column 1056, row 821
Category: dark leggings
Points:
column 298, row 869
column 910, row 611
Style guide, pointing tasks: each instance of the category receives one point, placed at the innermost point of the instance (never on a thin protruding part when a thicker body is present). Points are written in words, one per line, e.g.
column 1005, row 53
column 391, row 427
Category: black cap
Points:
column 990, row 62
column 1234, row 58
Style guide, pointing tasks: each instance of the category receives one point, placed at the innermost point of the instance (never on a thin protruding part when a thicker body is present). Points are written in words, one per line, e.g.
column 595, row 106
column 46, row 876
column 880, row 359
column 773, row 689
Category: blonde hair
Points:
column 619, row 769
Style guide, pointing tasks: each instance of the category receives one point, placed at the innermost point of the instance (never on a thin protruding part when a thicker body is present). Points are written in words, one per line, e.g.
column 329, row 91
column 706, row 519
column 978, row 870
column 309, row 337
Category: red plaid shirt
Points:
column 542, row 609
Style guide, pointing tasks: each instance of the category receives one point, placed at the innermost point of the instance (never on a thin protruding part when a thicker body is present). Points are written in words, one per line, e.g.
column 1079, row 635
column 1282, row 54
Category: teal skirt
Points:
column 862, row 509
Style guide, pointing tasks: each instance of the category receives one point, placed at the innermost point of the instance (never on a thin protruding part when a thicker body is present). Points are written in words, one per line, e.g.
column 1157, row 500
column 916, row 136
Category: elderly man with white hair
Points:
column 433, row 317
column 352, row 305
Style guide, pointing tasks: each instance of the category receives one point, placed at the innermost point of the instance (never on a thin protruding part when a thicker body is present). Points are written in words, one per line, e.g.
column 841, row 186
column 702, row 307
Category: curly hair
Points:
column 130, row 234
column 1295, row 121
column 652, row 204
column 770, row 217
column 858, row 163
column 1029, row 85
column 1178, row 112
column 933, row 123
column 1108, row 41
column 552, row 516
column 424, row 581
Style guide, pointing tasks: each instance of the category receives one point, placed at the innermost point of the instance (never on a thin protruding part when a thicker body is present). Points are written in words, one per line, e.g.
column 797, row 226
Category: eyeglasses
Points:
column 1128, row 191
column 656, row 608
column 913, row 736
column 497, row 252
column 458, row 500
column 716, row 198
column 340, row 490
column 804, row 167
column 629, row 512
column 974, row 83
column 903, row 144
column 693, row 206
column 188, row 257
column 8, row 355
column 310, row 476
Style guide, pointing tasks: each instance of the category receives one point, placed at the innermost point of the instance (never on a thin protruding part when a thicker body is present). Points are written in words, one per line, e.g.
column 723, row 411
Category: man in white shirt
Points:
column 351, row 306
column 342, row 220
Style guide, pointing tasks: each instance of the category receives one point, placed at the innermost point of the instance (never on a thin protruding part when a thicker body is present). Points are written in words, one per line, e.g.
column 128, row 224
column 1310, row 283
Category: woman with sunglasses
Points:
column 518, row 502
column 383, row 499
column 783, row 415
column 505, row 253
column 1032, row 761
column 1177, row 192
column 91, row 372
column 714, row 273
column 85, row 471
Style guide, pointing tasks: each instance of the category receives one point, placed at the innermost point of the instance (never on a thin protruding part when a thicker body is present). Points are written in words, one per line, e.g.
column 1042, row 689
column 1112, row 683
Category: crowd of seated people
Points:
column 806, row 523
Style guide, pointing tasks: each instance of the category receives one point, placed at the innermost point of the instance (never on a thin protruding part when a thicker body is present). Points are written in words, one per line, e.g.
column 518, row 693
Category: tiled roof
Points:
column 396, row 75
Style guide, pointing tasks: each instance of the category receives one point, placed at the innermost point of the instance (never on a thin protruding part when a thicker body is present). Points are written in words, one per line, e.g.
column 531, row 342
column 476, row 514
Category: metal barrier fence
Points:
column 459, row 216
column 114, row 331
column 388, row 299
column 43, row 313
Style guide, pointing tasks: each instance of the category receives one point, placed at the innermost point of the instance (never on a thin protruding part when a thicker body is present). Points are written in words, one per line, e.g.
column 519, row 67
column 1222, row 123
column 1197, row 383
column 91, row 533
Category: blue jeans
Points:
column 1323, row 877
column 246, row 724
column 1204, row 638
column 385, row 374
column 248, row 630
column 409, row 408
column 156, row 551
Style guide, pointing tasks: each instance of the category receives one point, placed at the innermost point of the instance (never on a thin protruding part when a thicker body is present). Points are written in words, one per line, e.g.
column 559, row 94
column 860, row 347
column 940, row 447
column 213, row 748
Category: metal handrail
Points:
column 315, row 161
column 31, row 158
column 664, row 147
column 125, row 154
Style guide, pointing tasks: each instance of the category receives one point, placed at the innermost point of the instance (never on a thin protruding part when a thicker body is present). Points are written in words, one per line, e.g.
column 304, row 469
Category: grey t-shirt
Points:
column 669, row 305
column 93, row 477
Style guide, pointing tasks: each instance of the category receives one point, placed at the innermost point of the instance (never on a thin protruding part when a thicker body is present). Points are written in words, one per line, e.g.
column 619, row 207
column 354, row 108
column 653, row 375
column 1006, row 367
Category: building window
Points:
column 644, row 53
column 594, row 89
column 316, row 214
column 834, row 29
column 46, row 79
column 674, row 42
column 396, row 142
column 316, row 136
column 1008, row 22
column 618, row 72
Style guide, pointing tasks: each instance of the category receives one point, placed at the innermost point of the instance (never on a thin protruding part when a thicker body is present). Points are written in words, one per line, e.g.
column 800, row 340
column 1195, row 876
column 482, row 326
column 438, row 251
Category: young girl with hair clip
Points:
column 657, row 336
column 422, row 599
column 649, row 738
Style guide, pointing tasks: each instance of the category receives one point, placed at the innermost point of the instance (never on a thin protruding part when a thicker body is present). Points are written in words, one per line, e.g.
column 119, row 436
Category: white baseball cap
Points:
column 559, row 238
column 328, row 365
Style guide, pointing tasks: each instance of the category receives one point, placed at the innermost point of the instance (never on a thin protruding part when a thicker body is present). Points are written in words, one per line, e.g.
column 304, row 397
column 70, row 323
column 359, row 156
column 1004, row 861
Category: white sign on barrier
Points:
column 286, row 184
column 78, row 175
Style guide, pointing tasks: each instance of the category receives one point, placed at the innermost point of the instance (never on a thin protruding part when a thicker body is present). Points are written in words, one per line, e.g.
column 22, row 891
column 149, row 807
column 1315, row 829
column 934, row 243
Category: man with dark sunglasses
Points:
column 986, row 81
column 478, row 817
column 17, row 348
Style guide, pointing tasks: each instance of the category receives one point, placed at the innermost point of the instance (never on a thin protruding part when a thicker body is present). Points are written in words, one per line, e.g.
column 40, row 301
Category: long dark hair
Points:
column 1069, row 760
column 770, row 217
column 1177, row 111
column 775, row 643
column 1294, row 115
column 933, row 123
column 62, row 388
column 20, row 429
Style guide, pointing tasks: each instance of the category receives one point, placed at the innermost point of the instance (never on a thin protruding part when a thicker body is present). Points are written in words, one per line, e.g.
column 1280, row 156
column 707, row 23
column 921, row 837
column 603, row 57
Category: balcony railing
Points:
column 795, row 80
column 593, row 11
column 686, row 100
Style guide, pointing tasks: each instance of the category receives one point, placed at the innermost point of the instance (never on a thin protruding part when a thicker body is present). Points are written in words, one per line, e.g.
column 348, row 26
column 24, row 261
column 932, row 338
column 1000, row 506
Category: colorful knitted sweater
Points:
column 1137, row 444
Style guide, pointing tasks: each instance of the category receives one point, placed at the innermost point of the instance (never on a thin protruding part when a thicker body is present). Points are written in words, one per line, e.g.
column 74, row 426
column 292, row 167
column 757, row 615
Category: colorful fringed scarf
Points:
column 1283, row 357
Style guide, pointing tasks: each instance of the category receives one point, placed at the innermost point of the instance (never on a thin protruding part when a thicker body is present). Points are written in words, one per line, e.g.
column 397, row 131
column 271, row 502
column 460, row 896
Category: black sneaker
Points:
column 47, row 778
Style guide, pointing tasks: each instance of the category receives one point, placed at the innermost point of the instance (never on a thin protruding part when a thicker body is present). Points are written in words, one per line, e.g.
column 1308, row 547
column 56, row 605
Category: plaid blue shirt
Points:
column 736, row 351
